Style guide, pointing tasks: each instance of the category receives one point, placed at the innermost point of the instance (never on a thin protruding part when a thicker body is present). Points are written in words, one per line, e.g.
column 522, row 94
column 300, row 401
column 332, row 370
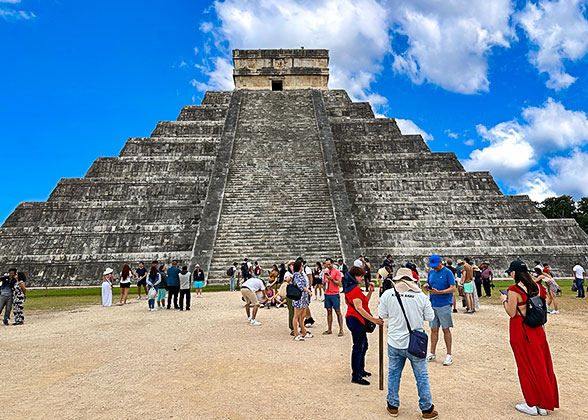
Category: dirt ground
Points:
column 128, row 363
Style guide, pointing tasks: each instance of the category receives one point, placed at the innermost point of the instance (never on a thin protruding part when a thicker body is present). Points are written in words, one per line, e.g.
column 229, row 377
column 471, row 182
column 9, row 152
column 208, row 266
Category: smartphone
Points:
column 504, row 292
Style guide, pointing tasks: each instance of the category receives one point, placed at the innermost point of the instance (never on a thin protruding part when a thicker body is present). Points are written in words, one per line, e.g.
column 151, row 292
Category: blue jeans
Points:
column 580, row 286
column 396, row 359
column 233, row 284
column 360, row 346
column 151, row 303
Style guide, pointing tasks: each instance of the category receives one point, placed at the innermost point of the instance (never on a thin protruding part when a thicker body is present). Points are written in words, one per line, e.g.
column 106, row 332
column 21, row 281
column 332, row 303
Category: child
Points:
column 153, row 281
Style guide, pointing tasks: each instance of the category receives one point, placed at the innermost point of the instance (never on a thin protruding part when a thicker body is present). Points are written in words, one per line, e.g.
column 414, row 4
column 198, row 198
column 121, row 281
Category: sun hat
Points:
column 517, row 266
column 108, row 271
column 404, row 278
column 290, row 262
column 476, row 268
column 434, row 260
column 459, row 262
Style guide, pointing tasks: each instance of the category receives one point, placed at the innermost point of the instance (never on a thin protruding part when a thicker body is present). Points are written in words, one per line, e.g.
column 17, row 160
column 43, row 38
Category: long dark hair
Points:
column 528, row 282
column 153, row 273
column 125, row 271
column 21, row 276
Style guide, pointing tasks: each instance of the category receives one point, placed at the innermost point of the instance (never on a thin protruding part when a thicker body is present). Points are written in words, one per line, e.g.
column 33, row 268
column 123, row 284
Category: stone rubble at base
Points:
column 272, row 176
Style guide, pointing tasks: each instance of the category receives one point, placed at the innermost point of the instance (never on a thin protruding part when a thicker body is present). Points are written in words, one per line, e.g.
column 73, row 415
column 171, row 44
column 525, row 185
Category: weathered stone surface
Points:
column 271, row 176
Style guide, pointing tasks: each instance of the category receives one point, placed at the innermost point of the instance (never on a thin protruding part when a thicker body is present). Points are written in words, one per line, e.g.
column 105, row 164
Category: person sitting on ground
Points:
column 274, row 274
column 279, row 300
column 417, row 309
column 248, row 291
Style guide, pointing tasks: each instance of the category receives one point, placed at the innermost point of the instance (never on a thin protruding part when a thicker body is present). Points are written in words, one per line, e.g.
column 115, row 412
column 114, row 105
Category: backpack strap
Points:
column 519, row 311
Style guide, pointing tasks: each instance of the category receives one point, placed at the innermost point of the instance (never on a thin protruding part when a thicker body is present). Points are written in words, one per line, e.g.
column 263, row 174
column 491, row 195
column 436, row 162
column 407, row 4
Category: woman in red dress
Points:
column 529, row 346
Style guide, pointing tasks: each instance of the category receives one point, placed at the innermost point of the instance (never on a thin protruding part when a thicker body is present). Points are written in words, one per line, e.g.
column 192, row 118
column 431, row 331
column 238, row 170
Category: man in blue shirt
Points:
column 441, row 286
column 173, row 284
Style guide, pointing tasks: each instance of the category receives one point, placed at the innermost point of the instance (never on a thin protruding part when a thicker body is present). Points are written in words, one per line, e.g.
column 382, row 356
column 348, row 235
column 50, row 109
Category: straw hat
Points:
column 476, row 268
column 459, row 261
column 290, row 262
column 108, row 271
column 405, row 281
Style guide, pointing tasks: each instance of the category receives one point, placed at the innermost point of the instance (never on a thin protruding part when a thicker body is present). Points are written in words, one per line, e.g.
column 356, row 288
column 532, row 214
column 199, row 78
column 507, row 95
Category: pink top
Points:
column 332, row 288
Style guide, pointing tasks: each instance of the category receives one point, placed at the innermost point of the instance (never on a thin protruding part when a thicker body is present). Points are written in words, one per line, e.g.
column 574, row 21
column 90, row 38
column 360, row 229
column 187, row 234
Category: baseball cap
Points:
column 434, row 260
column 517, row 266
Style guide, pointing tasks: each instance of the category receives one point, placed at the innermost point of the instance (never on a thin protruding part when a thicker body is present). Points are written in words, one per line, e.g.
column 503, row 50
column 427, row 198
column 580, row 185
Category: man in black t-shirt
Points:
column 141, row 279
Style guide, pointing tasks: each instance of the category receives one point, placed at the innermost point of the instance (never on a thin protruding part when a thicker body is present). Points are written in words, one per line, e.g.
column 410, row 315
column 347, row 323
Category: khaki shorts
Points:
column 249, row 296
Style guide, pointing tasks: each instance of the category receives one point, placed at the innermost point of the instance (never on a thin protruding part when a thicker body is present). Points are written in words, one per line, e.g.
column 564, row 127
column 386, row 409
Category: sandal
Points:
column 340, row 334
column 327, row 332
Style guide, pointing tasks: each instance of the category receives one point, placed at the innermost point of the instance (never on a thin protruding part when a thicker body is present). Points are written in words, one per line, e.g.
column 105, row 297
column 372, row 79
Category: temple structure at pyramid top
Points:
column 281, row 69
column 277, row 168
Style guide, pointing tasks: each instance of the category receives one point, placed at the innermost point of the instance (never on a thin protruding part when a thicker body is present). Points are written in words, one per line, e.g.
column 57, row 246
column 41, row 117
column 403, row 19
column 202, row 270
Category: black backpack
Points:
column 536, row 310
column 230, row 272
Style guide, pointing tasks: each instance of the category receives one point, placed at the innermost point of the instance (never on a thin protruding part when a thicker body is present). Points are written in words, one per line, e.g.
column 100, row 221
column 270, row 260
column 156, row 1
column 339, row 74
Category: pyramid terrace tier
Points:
column 171, row 146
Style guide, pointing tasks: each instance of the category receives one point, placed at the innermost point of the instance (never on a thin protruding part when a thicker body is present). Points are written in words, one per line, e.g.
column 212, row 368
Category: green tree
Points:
column 558, row 207
column 582, row 213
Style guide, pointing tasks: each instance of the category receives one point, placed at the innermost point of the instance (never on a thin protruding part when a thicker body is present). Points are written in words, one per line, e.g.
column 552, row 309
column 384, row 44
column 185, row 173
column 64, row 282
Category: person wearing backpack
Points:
column 525, row 304
column 232, row 273
column 415, row 309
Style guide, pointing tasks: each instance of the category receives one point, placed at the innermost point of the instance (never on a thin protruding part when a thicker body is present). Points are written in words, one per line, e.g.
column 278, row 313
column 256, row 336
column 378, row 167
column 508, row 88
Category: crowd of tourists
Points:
column 405, row 306
column 158, row 284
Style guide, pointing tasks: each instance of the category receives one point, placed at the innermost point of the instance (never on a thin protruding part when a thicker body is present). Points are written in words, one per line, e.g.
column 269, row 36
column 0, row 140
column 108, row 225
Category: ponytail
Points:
column 528, row 282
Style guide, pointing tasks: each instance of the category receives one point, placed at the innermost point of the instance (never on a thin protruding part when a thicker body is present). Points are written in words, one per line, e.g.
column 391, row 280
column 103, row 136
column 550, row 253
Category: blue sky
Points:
column 503, row 84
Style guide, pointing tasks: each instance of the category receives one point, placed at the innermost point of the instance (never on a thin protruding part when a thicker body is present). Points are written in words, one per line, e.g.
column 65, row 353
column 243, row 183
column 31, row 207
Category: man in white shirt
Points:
column 249, row 290
column 358, row 262
column 579, row 275
column 418, row 309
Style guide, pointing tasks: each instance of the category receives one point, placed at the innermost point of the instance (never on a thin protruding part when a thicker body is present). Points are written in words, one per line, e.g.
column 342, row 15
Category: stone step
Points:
column 188, row 128
column 203, row 113
column 163, row 146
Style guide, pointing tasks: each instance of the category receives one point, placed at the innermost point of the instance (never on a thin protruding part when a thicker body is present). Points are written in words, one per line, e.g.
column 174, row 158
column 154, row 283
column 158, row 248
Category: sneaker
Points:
column 430, row 357
column 393, row 411
column 249, row 320
column 154, row 309
column 5, row 322
column 542, row 411
column 298, row 338
column 554, row 313
column 360, row 381
column 308, row 335
column 430, row 414
column 255, row 323
column 308, row 325
column 448, row 360
column 138, row 297
column 524, row 408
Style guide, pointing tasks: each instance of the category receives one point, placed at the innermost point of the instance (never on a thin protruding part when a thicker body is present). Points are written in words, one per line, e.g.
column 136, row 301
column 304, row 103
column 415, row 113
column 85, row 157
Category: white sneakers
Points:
column 255, row 323
column 308, row 335
column 554, row 312
column 138, row 297
column 298, row 338
column 447, row 362
column 532, row 411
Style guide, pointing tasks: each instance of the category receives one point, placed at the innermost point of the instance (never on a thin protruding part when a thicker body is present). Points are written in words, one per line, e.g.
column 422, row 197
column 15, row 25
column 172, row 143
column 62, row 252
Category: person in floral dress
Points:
column 300, row 305
column 18, row 298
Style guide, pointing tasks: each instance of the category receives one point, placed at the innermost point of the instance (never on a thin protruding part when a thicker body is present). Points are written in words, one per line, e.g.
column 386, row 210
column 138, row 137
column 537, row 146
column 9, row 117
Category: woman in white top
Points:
column 125, row 283
column 107, row 287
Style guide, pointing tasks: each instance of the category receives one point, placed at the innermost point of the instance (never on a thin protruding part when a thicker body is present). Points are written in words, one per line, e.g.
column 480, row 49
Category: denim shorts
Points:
column 332, row 301
column 442, row 317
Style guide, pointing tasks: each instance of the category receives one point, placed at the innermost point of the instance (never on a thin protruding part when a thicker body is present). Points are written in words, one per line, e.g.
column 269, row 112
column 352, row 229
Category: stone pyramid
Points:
column 277, row 168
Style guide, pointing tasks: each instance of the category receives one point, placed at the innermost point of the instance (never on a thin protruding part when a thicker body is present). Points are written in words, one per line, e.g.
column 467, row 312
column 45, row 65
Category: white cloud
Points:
column 355, row 31
column 469, row 142
column 570, row 174
column 559, row 31
column 10, row 1
column 219, row 78
column 554, row 127
column 9, row 14
column 509, row 154
column 409, row 127
column 451, row 134
column 449, row 41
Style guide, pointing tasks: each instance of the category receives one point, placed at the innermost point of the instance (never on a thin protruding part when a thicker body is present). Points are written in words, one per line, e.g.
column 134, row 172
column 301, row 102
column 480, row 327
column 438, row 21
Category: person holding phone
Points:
column 333, row 278
column 529, row 345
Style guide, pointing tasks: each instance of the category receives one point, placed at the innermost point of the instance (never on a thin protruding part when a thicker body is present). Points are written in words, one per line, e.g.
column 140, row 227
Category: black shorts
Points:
column 125, row 285
column 316, row 282
column 142, row 283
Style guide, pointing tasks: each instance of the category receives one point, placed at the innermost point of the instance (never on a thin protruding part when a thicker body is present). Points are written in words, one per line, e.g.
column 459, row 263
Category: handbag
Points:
column 152, row 293
column 368, row 325
column 417, row 340
column 293, row 292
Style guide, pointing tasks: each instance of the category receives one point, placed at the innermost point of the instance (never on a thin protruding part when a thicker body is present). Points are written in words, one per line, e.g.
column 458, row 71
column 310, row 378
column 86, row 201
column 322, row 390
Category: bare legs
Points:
column 299, row 321
column 435, row 338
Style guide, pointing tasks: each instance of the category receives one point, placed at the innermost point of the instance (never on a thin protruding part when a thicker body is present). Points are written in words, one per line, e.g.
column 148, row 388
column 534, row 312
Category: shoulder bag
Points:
column 417, row 340
column 292, row 291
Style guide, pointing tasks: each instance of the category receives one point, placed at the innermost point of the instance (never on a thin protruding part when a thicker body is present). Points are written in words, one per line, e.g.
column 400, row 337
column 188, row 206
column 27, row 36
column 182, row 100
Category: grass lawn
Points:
column 64, row 299
column 567, row 301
